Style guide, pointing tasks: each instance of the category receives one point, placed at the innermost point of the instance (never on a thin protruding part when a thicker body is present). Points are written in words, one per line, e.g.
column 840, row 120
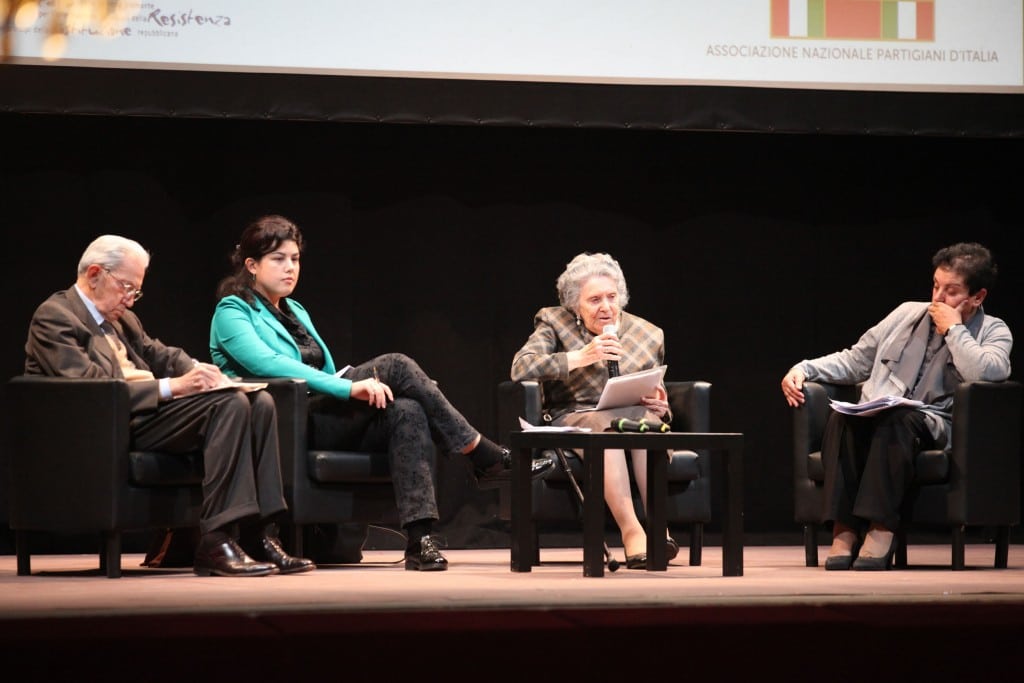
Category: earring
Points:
column 578, row 321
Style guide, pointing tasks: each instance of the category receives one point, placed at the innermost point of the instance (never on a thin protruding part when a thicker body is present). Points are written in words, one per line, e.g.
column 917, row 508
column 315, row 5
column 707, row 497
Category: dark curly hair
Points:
column 261, row 237
column 971, row 261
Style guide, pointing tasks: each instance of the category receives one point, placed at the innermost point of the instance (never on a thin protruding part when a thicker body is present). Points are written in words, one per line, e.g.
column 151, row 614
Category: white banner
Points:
column 928, row 45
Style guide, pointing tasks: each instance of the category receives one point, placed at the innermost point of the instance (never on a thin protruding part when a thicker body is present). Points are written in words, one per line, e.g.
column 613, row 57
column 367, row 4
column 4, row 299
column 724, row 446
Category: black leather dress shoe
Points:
column 638, row 561
column 268, row 549
column 428, row 559
column 226, row 558
column 501, row 472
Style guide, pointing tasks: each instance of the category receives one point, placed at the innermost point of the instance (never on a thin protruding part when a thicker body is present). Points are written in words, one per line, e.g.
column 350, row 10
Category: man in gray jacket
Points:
column 921, row 351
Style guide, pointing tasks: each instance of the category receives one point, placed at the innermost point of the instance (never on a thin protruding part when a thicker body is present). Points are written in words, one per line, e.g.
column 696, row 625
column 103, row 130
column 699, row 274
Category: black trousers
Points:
column 869, row 465
column 237, row 433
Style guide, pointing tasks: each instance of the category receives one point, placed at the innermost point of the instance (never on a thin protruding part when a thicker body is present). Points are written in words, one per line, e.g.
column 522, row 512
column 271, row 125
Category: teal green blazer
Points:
column 247, row 340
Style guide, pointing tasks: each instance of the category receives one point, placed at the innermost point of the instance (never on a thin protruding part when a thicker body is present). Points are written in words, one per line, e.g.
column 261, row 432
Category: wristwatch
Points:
column 950, row 328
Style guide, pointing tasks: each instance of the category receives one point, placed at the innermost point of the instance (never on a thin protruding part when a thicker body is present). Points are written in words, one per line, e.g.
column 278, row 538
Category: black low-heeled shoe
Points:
column 842, row 562
column 671, row 548
column 501, row 471
column 638, row 561
column 874, row 564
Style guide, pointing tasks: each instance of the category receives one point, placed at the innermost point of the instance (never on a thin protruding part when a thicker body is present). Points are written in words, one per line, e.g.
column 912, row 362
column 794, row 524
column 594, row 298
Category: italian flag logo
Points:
column 905, row 20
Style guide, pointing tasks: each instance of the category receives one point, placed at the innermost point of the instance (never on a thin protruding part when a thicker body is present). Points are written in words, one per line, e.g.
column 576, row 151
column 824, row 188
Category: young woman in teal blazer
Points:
column 387, row 403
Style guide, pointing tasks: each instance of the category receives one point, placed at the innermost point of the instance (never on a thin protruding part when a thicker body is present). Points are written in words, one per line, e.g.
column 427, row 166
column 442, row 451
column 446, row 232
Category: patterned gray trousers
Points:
column 408, row 428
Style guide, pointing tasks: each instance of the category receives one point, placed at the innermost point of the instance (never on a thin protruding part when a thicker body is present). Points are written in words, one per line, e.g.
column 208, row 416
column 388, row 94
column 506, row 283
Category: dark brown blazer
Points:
column 65, row 341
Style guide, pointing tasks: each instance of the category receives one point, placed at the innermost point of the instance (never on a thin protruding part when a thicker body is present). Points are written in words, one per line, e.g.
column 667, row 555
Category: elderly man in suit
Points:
column 89, row 330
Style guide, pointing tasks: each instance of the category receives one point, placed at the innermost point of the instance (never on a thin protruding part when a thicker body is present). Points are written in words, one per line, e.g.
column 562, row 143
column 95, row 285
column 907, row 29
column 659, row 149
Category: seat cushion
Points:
column 152, row 468
column 328, row 467
column 930, row 467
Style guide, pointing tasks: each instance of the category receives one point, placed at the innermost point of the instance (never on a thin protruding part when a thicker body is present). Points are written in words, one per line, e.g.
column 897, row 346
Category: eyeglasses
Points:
column 129, row 289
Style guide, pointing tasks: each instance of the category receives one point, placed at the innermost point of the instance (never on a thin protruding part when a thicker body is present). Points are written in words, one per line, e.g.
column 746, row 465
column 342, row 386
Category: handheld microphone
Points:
column 624, row 425
column 613, row 365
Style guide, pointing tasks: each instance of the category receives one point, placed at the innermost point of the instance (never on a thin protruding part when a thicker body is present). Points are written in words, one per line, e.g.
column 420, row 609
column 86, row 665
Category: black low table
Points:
column 593, row 444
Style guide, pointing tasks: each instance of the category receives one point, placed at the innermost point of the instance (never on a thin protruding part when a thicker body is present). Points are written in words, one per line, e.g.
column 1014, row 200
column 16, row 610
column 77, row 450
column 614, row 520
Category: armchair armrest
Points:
column 515, row 400
column 984, row 471
column 810, row 418
column 79, row 428
column 291, row 398
column 808, row 428
column 691, row 405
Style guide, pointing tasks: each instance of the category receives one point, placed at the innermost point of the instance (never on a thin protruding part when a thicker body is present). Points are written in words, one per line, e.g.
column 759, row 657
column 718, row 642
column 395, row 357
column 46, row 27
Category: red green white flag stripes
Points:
column 902, row 20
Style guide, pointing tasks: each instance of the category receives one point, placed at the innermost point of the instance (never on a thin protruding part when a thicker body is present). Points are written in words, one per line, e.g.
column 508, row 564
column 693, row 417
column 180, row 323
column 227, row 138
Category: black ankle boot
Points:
column 425, row 556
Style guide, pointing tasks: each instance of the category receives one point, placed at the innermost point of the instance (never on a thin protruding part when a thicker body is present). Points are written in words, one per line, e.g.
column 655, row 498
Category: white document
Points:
column 245, row 387
column 527, row 427
column 871, row 407
column 627, row 390
column 232, row 383
column 341, row 373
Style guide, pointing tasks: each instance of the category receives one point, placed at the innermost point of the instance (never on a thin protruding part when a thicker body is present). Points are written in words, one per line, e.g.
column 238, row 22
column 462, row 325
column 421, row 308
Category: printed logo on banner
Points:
column 895, row 20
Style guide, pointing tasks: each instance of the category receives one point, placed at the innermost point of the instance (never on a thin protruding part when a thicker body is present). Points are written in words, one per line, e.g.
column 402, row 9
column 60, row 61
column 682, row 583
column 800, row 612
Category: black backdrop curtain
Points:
column 752, row 250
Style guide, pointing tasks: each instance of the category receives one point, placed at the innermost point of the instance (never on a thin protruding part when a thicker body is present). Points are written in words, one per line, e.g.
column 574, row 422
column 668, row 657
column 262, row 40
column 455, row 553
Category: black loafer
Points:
column 501, row 472
column 671, row 548
column 638, row 561
column 228, row 559
column 428, row 559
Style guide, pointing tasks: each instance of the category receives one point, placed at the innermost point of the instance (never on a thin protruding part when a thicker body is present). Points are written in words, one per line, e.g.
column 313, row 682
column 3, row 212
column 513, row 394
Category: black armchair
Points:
column 327, row 487
column 976, row 482
column 689, row 484
column 72, row 469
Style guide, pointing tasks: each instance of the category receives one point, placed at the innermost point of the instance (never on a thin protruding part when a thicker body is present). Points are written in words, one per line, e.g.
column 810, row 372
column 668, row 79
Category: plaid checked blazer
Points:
column 556, row 332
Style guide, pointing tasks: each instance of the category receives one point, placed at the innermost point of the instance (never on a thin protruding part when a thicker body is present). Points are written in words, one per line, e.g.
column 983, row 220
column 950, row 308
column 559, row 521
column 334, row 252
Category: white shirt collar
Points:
column 90, row 305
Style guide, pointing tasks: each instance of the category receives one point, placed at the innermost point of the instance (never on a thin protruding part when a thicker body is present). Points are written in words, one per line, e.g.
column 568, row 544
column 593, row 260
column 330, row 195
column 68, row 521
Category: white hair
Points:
column 582, row 268
column 110, row 251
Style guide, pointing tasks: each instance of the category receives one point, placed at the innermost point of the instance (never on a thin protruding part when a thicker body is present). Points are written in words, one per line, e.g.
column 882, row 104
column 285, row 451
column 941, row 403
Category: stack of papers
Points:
column 527, row 427
column 627, row 390
column 232, row 383
column 871, row 407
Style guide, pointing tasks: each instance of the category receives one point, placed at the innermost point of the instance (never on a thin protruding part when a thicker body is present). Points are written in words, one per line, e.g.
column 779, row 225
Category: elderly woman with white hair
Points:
column 569, row 354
